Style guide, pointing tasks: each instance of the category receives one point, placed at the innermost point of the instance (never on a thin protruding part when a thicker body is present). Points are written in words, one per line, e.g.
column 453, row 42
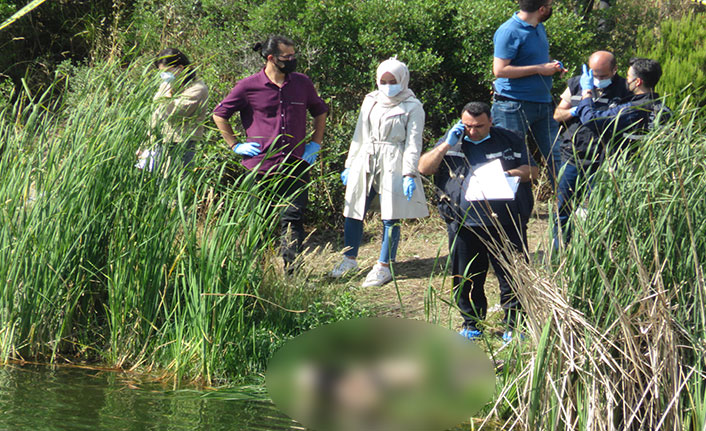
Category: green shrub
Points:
column 103, row 262
column 618, row 324
column 7, row 8
column 680, row 46
column 446, row 44
column 54, row 31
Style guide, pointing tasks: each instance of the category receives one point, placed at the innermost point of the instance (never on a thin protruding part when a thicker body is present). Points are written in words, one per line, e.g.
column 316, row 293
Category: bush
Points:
column 446, row 44
column 102, row 261
column 680, row 47
column 53, row 32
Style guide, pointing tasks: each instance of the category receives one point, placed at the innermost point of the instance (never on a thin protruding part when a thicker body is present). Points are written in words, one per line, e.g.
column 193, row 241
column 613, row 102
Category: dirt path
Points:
column 422, row 290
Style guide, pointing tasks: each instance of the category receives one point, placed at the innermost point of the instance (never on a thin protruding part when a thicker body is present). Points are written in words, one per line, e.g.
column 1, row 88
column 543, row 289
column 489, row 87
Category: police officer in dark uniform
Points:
column 481, row 232
column 614, row 129
column 579, row 145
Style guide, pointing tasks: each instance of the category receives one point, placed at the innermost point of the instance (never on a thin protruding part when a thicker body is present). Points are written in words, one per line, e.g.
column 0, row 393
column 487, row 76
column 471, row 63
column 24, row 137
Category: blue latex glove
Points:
column 408, row 187
column 455, row 134
column 311, row 151
column 247, row 149
column 344, row 176
column 573, row 110
column 586, row 80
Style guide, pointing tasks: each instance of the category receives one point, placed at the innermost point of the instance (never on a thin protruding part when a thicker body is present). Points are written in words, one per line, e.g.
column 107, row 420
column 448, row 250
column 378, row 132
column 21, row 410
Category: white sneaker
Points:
column 346, row 265
column 377, row 276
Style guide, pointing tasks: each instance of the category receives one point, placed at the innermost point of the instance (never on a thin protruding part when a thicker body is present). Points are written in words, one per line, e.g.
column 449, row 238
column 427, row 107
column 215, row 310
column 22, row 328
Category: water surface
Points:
column 40, row 398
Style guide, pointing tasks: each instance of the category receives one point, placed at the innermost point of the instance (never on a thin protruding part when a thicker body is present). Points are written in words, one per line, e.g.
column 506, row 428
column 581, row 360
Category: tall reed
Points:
column 618, row 326
column 102, row 261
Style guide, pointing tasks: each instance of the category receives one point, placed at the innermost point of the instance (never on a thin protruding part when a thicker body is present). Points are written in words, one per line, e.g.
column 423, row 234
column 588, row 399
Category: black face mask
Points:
column 288, row 66
column 549, row 15
column 627, row 84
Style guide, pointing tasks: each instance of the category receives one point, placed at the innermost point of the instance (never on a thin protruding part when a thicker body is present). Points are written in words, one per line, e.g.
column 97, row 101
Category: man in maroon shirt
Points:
column 272, row 105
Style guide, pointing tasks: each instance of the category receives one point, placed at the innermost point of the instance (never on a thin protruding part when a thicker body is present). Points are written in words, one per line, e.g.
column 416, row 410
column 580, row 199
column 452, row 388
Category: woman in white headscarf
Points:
column 382, row 160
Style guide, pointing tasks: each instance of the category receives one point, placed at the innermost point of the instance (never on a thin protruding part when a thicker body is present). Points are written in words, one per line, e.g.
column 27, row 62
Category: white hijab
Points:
column 401, row 73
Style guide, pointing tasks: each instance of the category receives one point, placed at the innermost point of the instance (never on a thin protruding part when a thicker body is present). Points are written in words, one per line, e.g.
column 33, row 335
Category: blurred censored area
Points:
column 381, row 374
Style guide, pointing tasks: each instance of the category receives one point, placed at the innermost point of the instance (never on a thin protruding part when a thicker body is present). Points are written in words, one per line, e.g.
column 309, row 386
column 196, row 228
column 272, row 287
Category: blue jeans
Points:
column 353, row 235
column 537, row 119
column 574, row 184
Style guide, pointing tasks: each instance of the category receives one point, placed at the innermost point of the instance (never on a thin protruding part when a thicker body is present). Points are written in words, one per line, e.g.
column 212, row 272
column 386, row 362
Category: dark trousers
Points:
column 470, row 257
column 574, row 186
column 291, row 197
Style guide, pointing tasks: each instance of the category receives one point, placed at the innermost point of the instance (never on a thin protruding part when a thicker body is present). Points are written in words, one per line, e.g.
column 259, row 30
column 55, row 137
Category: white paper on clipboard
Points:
column 488, row 182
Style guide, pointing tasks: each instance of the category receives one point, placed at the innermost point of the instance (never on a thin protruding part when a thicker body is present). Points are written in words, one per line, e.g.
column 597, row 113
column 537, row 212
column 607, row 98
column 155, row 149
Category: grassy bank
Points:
column 617, row 327
column 101, row 261
column 173, row 270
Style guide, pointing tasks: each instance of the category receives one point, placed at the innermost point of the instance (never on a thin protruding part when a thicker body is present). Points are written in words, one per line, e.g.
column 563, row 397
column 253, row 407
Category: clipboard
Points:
column 488, row 182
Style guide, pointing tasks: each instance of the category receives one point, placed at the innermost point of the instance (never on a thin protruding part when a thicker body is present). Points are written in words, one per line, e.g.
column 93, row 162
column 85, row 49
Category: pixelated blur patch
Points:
column 380, row 374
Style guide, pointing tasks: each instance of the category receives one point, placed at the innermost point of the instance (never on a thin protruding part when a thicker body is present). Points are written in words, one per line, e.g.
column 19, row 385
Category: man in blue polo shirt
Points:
column 476, row 228
column 522, row 101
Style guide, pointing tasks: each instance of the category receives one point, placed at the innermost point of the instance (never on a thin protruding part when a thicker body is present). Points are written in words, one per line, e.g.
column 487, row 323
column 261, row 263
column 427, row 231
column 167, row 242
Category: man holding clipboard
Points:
column 483, row 176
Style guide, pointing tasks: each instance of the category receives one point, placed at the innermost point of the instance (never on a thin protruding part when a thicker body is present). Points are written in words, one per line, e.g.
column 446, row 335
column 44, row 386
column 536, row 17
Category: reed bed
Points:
column 101, row 261
column 617, row 325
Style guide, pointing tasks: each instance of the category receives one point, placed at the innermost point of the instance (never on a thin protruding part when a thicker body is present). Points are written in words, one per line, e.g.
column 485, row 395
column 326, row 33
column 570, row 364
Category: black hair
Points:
column 271, row 45
column 532, row 5
column 174, row 57
column 476, row 108
column 646, row 69
column 171, row 57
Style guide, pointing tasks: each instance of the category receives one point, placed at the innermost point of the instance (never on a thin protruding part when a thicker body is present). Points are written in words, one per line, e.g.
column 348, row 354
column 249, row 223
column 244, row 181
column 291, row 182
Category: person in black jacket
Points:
column 578, row 156
column 481, row 231
column 608, row 131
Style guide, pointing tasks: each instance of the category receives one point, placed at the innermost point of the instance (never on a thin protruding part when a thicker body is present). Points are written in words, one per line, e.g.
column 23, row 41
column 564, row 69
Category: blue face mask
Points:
column 390, row 90
column 601, row 83
column 467, row 139
column 167, row 77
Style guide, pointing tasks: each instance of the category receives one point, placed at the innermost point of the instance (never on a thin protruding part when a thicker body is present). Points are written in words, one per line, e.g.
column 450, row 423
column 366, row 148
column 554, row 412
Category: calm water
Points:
column 37, row 398
column 44, row 399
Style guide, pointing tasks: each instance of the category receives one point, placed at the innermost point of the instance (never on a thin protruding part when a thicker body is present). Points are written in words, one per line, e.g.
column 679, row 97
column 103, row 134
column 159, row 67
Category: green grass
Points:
column 103, row 262
column 616, row 321
column 617, row 325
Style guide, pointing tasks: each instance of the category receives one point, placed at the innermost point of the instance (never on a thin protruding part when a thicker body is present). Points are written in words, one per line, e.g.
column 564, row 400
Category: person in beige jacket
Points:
column 382, row 160
column 180, row 112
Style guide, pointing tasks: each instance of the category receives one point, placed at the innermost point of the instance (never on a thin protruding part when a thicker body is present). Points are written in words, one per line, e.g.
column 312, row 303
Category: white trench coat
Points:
column 393, row 151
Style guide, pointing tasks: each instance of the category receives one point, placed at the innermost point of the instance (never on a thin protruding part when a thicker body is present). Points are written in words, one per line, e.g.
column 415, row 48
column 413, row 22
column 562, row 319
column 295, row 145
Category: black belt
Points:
column 500, row 98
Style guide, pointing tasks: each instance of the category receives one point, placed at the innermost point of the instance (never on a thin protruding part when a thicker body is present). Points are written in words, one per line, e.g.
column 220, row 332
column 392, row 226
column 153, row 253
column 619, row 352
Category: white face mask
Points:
column 167, row 77
column 601, row 83
column 390, row 90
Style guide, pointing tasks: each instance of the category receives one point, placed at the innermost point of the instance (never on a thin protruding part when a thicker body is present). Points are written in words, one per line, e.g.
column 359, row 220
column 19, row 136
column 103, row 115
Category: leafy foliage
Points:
column 680, row 47
column 102, row 261
column 54, row 32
